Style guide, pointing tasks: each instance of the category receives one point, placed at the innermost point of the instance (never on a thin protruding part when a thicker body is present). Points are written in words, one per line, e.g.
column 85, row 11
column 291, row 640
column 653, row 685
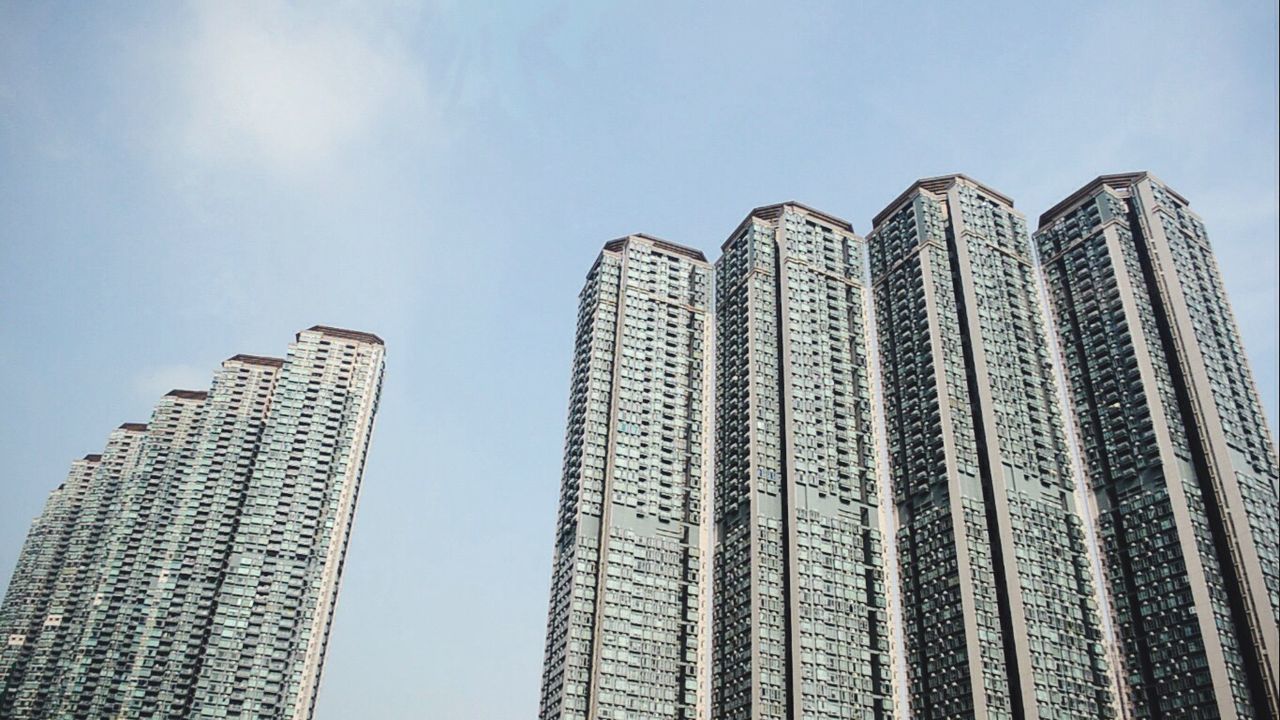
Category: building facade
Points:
column 627, row 625
column 801, row 608
column 45, row 647
column 1000, row 616
column 190, row 570
column 1178, row 455
column 26, row 604
column 194, row 548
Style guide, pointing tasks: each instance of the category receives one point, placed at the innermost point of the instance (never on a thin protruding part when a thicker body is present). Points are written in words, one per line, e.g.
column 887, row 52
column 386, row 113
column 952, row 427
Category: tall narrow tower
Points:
column 801, row 624
column 79, row 514
column 1180, row 460
column 626, row 630
column 1000, row 616
column 194, row 548
column 269, row 629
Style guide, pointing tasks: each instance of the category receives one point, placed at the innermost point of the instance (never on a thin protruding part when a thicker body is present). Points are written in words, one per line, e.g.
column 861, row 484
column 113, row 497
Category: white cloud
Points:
column 152, row 383
column 289, row 86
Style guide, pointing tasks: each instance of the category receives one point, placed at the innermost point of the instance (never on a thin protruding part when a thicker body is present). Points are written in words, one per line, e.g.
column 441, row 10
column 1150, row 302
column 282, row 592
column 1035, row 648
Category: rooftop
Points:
column 256, row 360
column 659, row 243
column 937, row 185
column 773, row 212
column 347, row 334
column 1115, row 181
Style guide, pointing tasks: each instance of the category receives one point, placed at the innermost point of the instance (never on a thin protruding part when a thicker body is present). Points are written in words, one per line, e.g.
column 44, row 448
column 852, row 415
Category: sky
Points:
column 180, row 182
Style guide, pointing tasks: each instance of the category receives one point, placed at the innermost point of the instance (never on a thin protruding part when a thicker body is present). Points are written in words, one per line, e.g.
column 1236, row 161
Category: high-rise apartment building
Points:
column 627, row 626
column 1000, row 613
column 999, row 608
column 1179, row 458
column 43, row 617
column 191, row 569
column 800, row 609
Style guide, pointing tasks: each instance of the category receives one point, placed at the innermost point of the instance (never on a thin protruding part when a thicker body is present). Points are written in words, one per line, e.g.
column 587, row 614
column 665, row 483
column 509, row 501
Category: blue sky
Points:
column 181, row 182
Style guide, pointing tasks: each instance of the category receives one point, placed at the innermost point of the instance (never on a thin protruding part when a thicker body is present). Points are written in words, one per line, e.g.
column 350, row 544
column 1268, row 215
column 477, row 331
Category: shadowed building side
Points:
column 1177, row 453
column 1000, row 615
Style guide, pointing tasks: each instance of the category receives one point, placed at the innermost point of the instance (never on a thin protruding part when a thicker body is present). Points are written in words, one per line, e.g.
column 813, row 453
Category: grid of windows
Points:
column 998, row 597
column 131, row 547
column 26, row 603
column 35, row 687
column 801, row 624
column 625, row 630
column 204, row 547
column 1174, row 445
column 191, row 569
column 208, row 500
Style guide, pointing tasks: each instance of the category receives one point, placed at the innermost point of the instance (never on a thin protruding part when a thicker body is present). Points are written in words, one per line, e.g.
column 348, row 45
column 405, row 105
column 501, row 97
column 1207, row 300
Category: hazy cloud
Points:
column 288, row 86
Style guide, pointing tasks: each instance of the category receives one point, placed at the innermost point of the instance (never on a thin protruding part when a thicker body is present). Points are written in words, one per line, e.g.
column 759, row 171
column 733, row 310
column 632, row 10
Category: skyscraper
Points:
column 43, row 617
column 190, row 570
column 1000, row 616
column 801, row 624
column 1179, row 458
column 626, row 630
